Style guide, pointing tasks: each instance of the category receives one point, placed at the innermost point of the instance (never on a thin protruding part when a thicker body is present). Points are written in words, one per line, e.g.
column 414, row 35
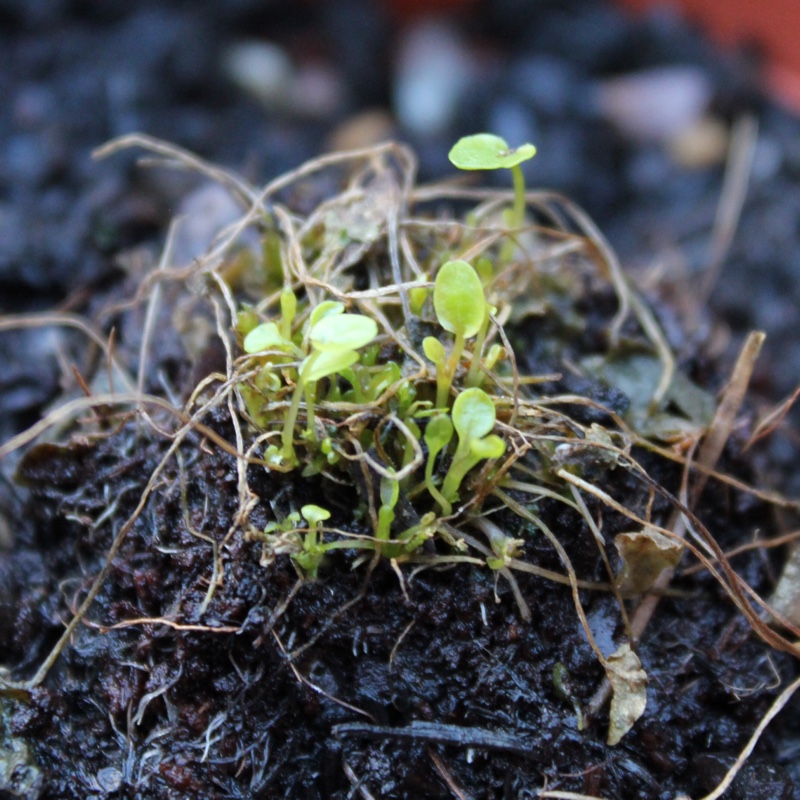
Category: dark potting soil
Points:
column 410, row 689
column 456, row 686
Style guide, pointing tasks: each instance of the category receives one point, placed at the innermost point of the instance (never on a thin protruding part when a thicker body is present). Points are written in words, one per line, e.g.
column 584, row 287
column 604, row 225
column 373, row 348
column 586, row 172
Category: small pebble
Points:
column 701, row 145
column 432, row 72
column 362, row 130
column 261, row 69
column 657, row 104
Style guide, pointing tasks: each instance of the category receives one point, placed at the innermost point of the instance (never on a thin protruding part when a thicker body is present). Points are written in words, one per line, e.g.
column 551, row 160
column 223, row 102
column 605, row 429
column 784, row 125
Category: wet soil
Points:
column 433, row 687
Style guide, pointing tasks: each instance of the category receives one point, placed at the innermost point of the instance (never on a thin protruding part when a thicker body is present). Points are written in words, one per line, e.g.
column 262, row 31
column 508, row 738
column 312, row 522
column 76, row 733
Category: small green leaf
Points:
column 314, row 514
column 265, row 337
column 246, row 320
column 438, row 433
column 458, row 298
column 487, row 151
column 320, row 365
column 346, row 332
column 418, row 295
column 433, row 349
column 324, row 309
column 473, row 417
column 473, row 414
column 488, row 447
column 288, row 309
column 390, row 492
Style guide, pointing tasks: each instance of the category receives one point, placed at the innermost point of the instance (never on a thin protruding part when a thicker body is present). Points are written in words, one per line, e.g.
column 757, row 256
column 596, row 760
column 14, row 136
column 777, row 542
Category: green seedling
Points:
column 288, row 310
column 418, row 295
column 310, row 557
column 335, row 337
column 438, row 434
column 268, row 336
column 461, row 309
column 487, row 151
column 505, row 548
column 390, row 493
column 473, row 418
column 563, row 687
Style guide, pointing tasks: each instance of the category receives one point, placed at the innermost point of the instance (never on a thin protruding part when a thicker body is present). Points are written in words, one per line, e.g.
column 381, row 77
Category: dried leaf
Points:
column 785, row 599
column 686, row 409
column 645, row 555
column 629, row 685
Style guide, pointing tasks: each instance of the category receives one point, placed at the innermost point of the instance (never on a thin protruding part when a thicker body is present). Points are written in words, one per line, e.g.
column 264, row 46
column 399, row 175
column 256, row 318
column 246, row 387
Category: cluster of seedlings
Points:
column 369, row 347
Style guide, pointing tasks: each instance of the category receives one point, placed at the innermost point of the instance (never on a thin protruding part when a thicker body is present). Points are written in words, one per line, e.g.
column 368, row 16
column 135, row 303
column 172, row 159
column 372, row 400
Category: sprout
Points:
column 334, row 338
column 418, row 295
column 438, row 434
column 266, row 337
column 288, row 310
column 462, row 310
column 310, row 557
column 473, row 418
column 390, row 493
column 486, row 151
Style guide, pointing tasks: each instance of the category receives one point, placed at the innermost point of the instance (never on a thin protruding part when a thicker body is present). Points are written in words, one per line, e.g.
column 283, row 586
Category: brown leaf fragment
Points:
column 629, row 686
column 785, row 599
column 645, row 555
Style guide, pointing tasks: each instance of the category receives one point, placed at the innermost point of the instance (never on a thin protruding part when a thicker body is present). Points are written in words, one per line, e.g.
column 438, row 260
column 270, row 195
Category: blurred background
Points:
column 676, row 133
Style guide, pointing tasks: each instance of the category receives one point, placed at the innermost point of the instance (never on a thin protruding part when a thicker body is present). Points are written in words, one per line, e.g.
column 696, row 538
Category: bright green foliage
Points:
column 288, row 310
column 461, row 309
column 310, row 557
column 266, row 337
column 473, row 418
column 335, row 337
column 390, row 493
column 458, row 299
column 323, row 309
column 417, row 297
column 438, row 434
column 487, row 151
column 335, row 334
column 504, row 548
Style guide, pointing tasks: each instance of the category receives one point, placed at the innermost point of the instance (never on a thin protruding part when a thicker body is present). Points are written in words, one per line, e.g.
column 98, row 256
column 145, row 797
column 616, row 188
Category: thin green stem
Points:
column 448, row 370
column 474, row 377
column 311, row 399
column 444, row 504
column 518, row 213
column 291, row 418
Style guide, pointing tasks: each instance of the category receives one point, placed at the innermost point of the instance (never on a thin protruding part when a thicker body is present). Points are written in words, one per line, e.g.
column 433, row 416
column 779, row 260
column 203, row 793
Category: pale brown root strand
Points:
column 447, row 776
column 356, row 782
column 756, row 544
column 731, row 202
column 778, row 704
column 773, row 419
column 313, row 686
column 725, row 418
column 598, row 537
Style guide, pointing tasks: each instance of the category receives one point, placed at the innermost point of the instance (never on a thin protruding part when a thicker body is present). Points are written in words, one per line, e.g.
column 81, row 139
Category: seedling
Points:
column 438, row 434
column 461, row 309
column 310, row 557
column 335, row 337
column 473, row 419
column 487, row 151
